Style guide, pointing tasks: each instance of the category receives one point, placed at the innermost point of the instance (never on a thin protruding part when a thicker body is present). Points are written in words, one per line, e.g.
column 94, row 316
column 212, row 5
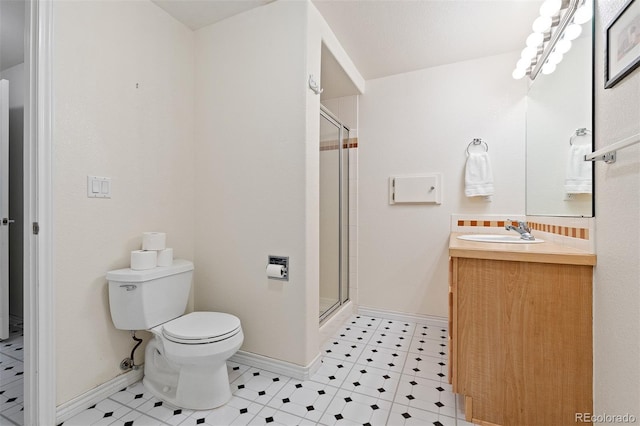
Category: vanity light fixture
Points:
column 558, row 24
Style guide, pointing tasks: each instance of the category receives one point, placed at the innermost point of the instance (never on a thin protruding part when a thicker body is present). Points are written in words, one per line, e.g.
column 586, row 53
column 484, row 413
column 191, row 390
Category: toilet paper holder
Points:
column 280, row 260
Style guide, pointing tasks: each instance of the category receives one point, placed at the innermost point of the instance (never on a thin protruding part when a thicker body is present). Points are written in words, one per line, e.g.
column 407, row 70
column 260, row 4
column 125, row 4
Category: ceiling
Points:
column 386, row 37
column 200, row 13
column 395, row 36
column 382, row 37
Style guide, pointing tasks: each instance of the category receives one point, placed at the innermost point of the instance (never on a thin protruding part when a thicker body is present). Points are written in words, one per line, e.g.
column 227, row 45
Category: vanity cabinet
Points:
column 520, row 330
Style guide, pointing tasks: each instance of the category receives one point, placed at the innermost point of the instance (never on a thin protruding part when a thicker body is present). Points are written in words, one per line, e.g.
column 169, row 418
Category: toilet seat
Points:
column 199, row 328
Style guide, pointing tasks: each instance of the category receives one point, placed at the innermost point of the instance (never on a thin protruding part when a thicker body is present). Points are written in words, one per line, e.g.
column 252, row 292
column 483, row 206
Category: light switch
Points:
column 98, row 187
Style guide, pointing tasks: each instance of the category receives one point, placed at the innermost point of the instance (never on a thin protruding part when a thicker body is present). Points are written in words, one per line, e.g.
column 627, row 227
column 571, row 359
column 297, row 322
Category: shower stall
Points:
column 334, row 213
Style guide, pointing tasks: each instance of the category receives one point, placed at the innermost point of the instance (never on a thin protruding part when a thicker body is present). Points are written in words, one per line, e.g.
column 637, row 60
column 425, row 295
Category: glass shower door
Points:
column 334, row 214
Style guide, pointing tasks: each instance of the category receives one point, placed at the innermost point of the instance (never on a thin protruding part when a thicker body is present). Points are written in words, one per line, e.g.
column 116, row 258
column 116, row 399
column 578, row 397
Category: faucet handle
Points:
column 521, row 224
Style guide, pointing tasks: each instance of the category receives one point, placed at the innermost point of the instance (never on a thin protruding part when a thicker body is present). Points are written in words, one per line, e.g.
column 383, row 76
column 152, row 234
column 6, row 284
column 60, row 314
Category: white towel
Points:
column 478, row 177
column 578, row 179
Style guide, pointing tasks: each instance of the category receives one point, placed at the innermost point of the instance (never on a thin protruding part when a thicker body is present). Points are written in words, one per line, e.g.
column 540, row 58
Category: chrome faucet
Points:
column 522, row 228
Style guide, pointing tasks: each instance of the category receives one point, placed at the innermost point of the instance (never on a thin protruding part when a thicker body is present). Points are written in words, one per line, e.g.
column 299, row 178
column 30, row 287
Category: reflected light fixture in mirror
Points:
column 559, row 23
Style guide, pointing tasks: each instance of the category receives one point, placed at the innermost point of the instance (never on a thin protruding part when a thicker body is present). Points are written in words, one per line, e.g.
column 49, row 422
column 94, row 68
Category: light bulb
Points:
column 523, row 63
column 563, row 46
column 518, row 73
column 572, row 32
column 535, row 39
column 548, row 68
column 529, row 53
column 550, row 7
column 541, row 24
column 554, row 58
column 584, row 13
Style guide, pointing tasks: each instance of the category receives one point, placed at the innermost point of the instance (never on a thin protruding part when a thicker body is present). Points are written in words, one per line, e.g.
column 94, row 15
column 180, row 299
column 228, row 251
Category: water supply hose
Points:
column 137, row 339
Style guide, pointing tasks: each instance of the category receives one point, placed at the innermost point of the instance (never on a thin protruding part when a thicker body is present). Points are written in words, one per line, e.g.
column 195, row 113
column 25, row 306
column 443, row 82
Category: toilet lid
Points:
column 201, row 327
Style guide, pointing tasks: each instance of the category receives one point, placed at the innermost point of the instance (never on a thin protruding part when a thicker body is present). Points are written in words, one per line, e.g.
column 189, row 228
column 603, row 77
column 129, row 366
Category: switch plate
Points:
column 98, row 187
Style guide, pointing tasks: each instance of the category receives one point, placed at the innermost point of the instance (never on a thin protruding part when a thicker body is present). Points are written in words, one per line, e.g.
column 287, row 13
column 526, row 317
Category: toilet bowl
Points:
column 185, row 361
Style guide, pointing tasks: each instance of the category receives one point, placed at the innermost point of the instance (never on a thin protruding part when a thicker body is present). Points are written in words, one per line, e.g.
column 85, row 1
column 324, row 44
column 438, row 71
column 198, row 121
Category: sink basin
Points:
column 498, row 238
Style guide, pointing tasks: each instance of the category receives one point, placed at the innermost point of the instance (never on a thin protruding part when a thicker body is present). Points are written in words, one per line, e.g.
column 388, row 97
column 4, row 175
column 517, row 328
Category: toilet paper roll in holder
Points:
column 283, row 261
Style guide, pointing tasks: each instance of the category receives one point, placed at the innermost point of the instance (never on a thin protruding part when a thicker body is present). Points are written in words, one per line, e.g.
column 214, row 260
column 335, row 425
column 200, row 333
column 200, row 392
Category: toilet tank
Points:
column 140, row 300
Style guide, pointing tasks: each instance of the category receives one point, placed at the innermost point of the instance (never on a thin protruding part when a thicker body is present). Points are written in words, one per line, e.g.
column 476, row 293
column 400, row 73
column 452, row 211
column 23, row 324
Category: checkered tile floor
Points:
column 11, row 374
column 374, row 372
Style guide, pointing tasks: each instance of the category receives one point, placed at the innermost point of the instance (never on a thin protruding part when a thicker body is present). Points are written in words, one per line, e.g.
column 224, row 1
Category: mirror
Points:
column 559, row 109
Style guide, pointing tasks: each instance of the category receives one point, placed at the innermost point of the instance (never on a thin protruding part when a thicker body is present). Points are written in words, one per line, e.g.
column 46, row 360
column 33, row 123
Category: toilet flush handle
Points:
column 129, row 287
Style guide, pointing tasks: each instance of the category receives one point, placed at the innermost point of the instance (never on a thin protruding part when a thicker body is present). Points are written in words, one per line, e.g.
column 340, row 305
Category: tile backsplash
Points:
column 576, row 232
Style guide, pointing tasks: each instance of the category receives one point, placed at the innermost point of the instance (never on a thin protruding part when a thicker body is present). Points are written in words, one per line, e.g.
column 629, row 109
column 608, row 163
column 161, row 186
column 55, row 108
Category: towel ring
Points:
column 582, row 131
column 477, row 141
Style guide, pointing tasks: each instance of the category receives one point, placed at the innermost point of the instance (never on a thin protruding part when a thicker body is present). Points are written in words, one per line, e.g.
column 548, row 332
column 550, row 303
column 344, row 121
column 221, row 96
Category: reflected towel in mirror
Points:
column 578, row 180
column 478, row 176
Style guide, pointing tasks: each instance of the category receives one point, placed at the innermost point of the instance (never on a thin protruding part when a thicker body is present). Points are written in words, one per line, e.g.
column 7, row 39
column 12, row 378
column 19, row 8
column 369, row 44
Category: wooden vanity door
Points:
column 524, row 340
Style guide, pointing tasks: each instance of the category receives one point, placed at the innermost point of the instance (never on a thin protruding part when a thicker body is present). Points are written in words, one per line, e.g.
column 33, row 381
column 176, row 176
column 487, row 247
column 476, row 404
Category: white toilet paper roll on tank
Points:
column 165, row 257
column 154, row 241
column 141, row 260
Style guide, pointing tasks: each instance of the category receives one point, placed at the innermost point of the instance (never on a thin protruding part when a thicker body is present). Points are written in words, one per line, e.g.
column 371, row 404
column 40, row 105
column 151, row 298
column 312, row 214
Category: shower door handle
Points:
column 6, row 221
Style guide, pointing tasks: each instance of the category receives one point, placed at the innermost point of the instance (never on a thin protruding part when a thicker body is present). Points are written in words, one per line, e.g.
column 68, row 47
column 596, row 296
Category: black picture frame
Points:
column 622, row 44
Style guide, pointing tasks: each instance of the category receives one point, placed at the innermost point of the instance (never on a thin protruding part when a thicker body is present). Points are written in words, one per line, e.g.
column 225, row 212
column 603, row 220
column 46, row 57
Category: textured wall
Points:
column 616, row 293
column 422, row 122
column 123, row 81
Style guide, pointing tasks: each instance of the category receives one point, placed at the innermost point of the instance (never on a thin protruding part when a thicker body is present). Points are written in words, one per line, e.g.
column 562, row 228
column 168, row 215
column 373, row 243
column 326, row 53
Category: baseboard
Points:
column 80, row 403
column 400, row 316
column 288, row 369
column 332, row 324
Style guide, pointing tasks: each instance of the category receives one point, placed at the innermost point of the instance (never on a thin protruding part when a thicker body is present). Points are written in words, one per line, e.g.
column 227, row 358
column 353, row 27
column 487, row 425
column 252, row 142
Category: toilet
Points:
column 185, row 361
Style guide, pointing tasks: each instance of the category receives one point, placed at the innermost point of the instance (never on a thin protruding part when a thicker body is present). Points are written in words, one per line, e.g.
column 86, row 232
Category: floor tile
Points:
column 306, row 399
column 425, row 394
column 402, row 415
column 332, row 371
column 387, row 339
column 12, row 373
column 270, row 416
column 354, row 334
column 372, row 381
column 11, row 394
column 427, row 367
column 237, row 411
column 437, row 348
column 235, row 370
column 258, row 385
column 132, row 396
column 103, row 413
column 163, row 411
column 373, row 371
column 398, row 327
column 14, row 414
column 364, row 321
column 352, row 408
column 342, row 349
column 383, row 358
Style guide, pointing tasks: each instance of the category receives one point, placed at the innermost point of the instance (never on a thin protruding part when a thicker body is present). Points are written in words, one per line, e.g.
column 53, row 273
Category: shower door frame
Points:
column 343, row 249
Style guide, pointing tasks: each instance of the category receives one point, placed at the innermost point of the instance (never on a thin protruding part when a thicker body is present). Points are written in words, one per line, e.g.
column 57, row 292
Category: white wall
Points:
column 250, row 176
column 616, row 293
column 15, row 75
column 257, row 173
column 422, row 122
column 123, row 82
